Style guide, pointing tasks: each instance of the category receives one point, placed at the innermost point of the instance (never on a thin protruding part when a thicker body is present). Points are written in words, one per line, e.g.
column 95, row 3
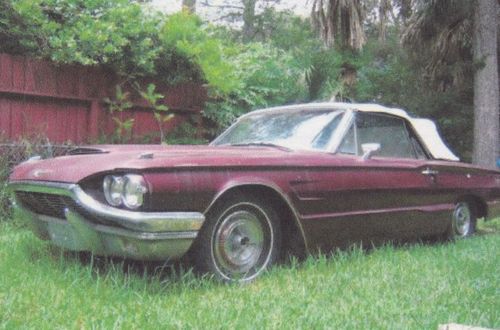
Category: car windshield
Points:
column 303, row 129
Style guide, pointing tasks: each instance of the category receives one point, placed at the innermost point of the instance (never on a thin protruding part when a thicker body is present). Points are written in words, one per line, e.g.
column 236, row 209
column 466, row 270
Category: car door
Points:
column 386, row 196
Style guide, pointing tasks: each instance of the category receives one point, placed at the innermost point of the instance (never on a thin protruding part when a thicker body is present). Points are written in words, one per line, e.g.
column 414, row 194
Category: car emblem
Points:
column 39, row 173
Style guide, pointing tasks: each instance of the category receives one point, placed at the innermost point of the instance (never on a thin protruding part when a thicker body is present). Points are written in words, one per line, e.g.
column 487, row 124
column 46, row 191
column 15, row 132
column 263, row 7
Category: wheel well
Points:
column 293, row 239
column 480, row 207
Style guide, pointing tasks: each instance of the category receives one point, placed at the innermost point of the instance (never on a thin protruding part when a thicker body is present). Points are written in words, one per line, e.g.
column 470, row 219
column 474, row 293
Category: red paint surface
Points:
column 65, row 103
column 336, row 198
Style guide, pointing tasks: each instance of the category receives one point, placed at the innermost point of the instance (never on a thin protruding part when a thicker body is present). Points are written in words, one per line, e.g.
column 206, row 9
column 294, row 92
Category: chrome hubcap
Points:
column 461, row 220
column 241, row 245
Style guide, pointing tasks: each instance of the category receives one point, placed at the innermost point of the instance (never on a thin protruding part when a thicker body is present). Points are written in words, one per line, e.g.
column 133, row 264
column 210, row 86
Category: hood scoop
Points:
column 146, row 155
column 86, row 151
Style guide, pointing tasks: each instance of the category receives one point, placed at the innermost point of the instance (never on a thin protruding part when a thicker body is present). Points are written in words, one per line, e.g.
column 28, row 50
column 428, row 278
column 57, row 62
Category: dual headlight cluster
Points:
column 127, row 190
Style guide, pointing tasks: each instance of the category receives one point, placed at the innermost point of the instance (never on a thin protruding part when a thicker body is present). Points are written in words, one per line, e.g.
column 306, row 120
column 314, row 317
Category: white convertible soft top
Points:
column 425, row 128
column 427, row 131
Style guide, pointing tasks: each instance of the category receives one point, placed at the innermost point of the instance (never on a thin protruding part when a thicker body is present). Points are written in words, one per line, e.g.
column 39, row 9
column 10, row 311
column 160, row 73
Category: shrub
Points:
column 120, row 34
column 390, row 76
column 266, row 76
column 13, row 153
column 4, row 194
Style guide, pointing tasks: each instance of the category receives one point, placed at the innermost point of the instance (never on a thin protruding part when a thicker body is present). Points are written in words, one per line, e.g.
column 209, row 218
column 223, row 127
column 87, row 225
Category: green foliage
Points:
column 13, row 153
column 186, row 133
column 4, row 193
column 116, row 107
column 271, row 70
column 324, row 75
column 159, row 110
column 15, row 35
column 185, row 33
column 285, row 63
column 115, row 32
column 289, row 32
column 120, row 34
column 391, row 76
column 266, row 75
column 174, row 49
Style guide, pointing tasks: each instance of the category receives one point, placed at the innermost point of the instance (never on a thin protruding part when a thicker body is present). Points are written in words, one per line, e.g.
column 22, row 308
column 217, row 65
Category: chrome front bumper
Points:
column 138, row 235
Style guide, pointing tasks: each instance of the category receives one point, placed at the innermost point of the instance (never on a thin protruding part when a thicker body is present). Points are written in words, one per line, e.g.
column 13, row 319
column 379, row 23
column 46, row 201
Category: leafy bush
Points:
column 121, row 34
column 136, row 42
column 14, row 152
column 185, row 33
column 4, row 194
column 186, row 133
column 265, row 76
column 391, row 77
column 285, row 63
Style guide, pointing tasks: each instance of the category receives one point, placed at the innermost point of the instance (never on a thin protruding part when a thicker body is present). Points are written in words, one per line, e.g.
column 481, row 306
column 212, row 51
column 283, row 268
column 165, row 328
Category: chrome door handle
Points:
column 428, row 171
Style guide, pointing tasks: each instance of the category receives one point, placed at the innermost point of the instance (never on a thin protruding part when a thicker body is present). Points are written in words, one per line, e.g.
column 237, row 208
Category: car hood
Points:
column 89, row 161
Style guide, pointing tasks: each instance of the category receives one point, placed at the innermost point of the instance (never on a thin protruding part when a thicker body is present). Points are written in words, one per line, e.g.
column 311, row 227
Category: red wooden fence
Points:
column 65, row 102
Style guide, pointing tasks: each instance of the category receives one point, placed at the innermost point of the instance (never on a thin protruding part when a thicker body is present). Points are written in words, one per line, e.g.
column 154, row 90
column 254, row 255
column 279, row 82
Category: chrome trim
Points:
column 271, row 186
column 146, row 155
column 56, row 188
column 78, row 234
column 138, row 221
column 33, row 159
column 217, row 240
column 143, row 236
column 369, row 149
column 341, row 131
column 431, row 172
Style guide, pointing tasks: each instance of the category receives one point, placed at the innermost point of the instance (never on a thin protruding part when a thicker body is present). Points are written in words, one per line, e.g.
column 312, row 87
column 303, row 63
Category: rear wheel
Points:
column 463, row 221
column 240, row 240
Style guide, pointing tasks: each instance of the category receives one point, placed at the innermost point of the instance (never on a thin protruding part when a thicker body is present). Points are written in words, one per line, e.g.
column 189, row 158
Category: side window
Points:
column 348, row 145
column 390, row 132
column 418, row 148
column 323, row 138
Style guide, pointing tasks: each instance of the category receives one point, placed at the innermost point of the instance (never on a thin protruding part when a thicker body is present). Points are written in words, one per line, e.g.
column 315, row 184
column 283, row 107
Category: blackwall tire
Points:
column 463, row 221
column 240, row 240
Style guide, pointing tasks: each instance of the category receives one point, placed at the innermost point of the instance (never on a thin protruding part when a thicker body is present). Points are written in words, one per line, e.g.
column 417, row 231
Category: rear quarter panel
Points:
column 457, row 181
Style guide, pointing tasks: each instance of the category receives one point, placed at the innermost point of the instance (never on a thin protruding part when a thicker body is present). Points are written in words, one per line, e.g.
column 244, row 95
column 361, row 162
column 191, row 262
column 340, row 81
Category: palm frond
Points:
column 441, row 30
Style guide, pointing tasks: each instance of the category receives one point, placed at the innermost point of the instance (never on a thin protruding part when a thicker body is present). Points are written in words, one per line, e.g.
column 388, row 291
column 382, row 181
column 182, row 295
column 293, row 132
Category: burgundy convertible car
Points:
column 305, row 178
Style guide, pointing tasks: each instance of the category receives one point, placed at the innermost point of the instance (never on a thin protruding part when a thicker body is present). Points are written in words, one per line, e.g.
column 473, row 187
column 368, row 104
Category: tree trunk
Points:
column 382, row 11
column 189, row 5
column 486, row 91
column 406, row 10
column 339, row 20
column 248, row 19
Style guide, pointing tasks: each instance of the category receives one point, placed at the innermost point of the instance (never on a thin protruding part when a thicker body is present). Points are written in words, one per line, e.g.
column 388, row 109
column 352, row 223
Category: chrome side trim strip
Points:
column 424, row 208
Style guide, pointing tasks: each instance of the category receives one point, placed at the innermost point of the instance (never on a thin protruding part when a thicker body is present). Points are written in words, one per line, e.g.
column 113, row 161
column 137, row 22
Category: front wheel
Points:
column 240, row 240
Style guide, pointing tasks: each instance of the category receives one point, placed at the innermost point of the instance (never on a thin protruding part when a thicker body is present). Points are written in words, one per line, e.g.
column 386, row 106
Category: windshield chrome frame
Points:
column 332, row 146
column 226, row 132
column 340, row 131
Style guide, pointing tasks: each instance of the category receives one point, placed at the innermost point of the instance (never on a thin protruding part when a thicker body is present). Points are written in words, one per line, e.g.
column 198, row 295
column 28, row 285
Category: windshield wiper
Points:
column 262, row 144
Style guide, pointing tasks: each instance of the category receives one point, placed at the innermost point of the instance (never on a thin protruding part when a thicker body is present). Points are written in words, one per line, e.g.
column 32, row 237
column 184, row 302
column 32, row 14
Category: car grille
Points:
column 46, row 204
column 51, row 205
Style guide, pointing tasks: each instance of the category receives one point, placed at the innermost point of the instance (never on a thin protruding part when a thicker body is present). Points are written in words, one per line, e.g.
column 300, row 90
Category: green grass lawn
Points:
column 409, row 287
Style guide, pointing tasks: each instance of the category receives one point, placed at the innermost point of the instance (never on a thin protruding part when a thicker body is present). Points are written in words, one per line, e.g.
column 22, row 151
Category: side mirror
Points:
column 369, row 149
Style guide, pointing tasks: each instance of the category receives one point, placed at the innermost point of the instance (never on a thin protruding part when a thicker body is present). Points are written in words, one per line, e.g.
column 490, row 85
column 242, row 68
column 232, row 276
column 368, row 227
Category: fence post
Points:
column 93, row 119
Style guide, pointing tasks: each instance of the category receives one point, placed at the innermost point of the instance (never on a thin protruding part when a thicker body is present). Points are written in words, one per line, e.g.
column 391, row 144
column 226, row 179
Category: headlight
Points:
column 125, row 190
column 113, row 189
column 134, row 190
